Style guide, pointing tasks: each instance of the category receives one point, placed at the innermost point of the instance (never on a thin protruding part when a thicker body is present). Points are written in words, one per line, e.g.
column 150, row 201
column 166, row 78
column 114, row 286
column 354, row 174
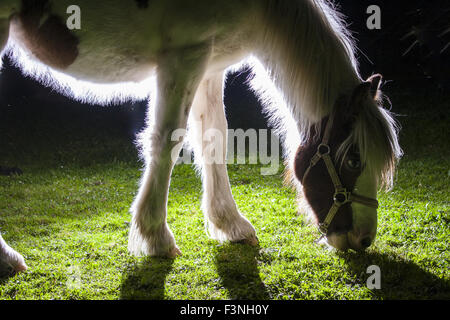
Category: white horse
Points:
column 305, row 73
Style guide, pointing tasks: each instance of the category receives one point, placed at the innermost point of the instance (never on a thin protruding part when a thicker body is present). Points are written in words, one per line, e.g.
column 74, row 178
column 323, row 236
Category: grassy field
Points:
column 68, row 215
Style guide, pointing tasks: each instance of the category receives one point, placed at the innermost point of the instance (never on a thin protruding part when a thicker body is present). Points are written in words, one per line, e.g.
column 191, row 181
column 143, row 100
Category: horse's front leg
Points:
column 179, row 74
column 10, row 260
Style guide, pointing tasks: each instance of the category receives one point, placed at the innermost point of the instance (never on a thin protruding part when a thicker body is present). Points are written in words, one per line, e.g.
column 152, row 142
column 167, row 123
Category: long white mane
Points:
column 306, row 61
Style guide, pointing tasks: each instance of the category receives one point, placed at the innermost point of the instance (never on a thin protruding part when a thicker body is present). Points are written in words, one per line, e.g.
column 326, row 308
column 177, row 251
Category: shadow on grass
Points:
column 237, row 266
column 146, row 280
column 6, row 273
column 400, row 279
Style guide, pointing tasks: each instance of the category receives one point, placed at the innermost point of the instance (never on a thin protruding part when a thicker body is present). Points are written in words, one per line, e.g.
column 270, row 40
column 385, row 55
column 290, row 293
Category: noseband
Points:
column 341, row 194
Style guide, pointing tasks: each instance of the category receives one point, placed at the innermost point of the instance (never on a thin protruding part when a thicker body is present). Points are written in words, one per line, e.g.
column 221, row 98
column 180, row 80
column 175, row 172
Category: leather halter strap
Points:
column 341, row 195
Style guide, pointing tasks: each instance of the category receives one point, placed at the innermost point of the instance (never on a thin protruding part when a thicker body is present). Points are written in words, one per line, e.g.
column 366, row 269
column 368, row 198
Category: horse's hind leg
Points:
column 179, row 74
column 209, row 125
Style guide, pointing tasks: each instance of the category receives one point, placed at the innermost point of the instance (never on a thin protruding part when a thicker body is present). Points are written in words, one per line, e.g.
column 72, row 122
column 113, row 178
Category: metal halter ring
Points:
column 341, row 197
column 326, row 151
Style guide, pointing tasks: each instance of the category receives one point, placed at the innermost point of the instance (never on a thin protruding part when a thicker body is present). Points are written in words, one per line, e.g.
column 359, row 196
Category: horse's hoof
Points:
column 173, row 253
column 21, row 267
column 10, row 260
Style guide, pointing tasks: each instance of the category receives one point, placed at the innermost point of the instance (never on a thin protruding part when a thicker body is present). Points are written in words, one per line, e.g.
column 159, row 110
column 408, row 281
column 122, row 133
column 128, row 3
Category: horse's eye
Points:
column 353, row 164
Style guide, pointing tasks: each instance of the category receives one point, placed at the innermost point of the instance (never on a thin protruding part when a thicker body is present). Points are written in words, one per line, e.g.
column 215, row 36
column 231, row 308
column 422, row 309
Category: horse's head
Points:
column 347, row 157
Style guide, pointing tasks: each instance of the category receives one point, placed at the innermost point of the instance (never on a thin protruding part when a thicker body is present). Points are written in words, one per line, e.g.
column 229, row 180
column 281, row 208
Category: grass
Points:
column 68, row 215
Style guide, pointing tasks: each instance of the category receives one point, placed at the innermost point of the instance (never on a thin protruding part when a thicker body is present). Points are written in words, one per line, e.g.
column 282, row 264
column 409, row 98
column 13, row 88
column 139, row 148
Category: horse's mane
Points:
column 310, row 56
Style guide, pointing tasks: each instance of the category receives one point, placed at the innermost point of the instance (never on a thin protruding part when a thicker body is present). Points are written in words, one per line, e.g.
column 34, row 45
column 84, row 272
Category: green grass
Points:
column 68, row 214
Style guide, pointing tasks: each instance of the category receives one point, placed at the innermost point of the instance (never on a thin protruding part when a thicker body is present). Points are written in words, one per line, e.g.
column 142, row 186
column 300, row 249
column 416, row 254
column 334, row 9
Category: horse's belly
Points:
column 119, row 41
column 98, row 64
column 106, row 66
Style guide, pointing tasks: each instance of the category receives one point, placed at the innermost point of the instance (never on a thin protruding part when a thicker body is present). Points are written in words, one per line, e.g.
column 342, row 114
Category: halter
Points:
column 341, row 195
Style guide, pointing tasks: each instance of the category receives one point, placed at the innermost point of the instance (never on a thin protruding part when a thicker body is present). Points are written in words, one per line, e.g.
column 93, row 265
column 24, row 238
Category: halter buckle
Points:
column 323, row 229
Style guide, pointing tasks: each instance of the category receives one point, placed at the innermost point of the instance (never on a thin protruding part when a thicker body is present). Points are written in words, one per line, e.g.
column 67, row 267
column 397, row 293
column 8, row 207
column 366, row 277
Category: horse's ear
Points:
column 374, row 85
column 367, row 89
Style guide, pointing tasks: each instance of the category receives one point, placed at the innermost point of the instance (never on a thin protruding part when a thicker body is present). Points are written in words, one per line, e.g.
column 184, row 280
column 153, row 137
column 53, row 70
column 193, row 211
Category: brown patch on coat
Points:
column 46, row 35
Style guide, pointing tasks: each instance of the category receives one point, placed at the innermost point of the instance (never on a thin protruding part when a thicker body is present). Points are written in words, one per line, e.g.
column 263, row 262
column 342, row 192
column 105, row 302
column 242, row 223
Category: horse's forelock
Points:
column 375, row 133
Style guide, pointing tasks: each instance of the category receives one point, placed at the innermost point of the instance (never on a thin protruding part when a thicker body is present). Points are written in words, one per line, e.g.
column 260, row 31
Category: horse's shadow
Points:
column 146, row 280
column 399, row 279
column 236, row 264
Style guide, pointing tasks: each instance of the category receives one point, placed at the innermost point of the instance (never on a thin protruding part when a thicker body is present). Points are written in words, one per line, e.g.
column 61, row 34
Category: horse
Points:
column 340, row 144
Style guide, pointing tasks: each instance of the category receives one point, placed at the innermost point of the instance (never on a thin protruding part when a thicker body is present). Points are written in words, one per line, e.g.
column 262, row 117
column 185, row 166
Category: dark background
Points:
column 33, row 116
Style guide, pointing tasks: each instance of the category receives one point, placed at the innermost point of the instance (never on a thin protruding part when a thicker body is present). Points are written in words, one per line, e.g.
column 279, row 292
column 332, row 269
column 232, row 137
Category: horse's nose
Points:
column 361, row 242
column 365, row 242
